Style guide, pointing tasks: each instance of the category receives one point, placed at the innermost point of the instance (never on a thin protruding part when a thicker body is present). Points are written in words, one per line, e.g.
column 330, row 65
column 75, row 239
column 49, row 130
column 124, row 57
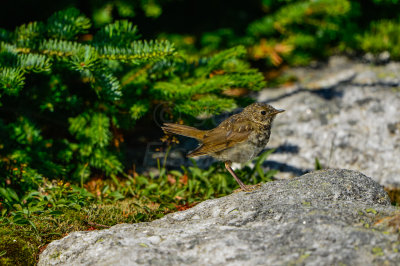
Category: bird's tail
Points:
column 183, row 130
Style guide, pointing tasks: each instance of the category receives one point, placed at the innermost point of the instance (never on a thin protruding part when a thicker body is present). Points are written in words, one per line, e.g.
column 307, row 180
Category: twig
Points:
column 99, row 225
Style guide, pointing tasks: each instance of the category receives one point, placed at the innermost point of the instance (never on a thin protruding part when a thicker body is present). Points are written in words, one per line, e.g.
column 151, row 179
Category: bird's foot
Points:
column 247, row 188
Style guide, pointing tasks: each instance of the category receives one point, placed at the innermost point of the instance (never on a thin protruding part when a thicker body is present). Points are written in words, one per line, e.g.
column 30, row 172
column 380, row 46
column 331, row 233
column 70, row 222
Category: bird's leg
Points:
column 228, row 167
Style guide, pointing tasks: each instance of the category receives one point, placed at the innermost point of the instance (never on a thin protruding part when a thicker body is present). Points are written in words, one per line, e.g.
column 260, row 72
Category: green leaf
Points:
column 4, row 194
column 317, row 164
column 11, row 192
column 116, row 195
column 56, row 213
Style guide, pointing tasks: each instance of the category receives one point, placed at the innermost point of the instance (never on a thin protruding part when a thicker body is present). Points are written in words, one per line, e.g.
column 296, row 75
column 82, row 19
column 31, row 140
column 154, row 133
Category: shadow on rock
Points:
column 282, row 167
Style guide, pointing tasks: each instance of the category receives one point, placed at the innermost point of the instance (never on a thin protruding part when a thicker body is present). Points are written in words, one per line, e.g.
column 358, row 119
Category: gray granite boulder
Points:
column 345, row 113
column 321, row 218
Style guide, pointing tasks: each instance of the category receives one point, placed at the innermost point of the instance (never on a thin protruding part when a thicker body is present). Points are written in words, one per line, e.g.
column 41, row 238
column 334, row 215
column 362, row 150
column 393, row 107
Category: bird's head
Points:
column 261, row 113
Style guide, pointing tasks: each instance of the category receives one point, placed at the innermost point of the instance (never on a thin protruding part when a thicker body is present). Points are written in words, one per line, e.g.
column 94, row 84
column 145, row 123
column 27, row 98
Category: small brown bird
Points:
column 238, row 139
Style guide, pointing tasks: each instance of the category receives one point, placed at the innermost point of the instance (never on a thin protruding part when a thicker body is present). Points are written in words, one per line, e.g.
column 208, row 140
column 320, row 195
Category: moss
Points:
column 16, row 251
column 371, row 210
column 301, row 259
column 21, row 244
column 377, row 251
column 295, row 183
column 100, row 240
column 304, row 256
column 55, row 255
column 313, row 212
column 234, row 210
column 326, row 185
column 306, row 203
column 386, row 74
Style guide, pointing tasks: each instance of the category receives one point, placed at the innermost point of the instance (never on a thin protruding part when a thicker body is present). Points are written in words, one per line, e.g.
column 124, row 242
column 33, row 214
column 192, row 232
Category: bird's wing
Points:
column 230, row 132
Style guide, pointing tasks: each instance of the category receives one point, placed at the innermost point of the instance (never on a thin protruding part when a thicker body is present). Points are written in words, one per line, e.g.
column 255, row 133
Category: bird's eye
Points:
column 263, row 112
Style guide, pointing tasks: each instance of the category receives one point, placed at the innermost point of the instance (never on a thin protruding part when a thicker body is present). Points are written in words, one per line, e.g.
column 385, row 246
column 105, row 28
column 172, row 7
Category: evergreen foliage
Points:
column 306, row 27
column 283, row 32
column 293, row 32
column 104, row 11
column 383, row 36
column 274, row 31
column 68, row 92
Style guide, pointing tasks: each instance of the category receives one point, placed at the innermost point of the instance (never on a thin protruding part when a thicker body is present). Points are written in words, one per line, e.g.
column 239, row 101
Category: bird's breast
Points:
column 239, row 153
column 245, row 151
column 260, row 137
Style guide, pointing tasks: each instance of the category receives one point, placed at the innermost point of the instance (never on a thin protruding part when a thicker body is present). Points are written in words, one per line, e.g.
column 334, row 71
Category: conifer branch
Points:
column 67, row 24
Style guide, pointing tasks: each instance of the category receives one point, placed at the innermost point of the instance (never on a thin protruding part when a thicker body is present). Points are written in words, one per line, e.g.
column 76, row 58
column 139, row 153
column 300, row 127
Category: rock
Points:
column 381, row 58
column 321, row 218
column 384, row 57
column 345, row 114
column 333, row 80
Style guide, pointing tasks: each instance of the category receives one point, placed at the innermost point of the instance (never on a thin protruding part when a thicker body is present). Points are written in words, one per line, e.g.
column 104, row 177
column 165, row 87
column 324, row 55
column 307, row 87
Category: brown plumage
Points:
column 239, row 138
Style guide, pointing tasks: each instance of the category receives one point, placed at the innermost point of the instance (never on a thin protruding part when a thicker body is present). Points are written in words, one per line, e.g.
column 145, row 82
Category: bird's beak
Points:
column 277, row 111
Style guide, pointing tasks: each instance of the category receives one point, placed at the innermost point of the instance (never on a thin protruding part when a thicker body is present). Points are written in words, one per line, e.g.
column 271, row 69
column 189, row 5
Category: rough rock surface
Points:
column 344, row 113
column 321, row 218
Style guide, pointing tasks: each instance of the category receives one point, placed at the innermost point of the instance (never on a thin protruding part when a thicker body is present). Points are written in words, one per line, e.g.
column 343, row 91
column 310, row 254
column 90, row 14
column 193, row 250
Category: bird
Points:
column 238, row 139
